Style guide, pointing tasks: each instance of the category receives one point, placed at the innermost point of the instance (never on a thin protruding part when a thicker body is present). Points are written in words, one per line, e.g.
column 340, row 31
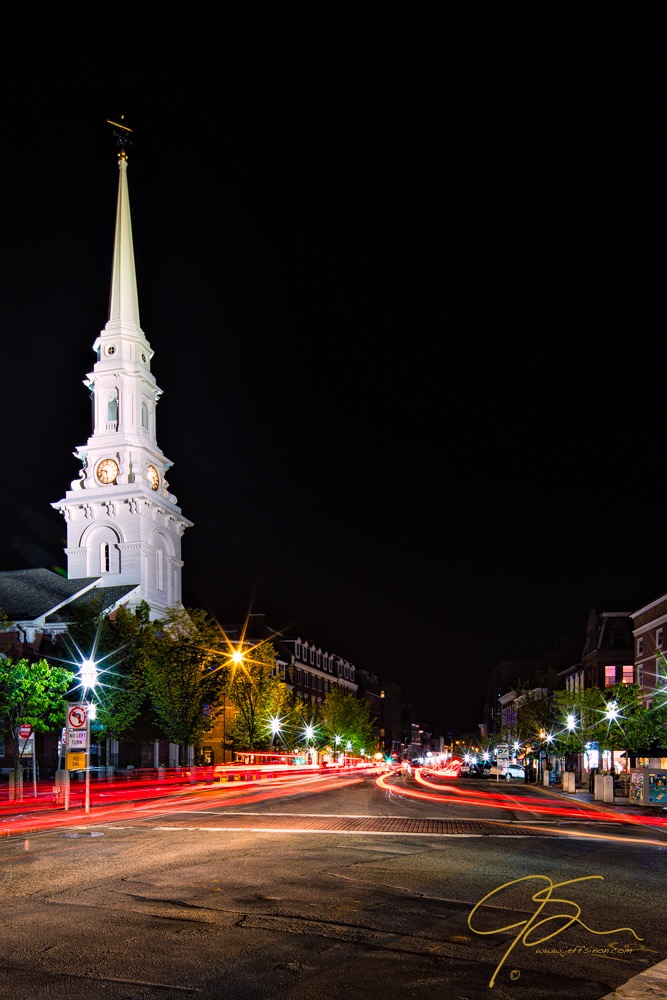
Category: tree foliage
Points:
column 32, row 694
column 185, row 674
column 343, row 719
column 614, row 718
column 535, row 714
column 258, row 695
column 114, row 642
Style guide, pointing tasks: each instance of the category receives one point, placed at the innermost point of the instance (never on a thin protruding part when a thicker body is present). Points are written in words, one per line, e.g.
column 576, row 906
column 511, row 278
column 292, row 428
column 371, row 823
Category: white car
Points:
column 507, row 771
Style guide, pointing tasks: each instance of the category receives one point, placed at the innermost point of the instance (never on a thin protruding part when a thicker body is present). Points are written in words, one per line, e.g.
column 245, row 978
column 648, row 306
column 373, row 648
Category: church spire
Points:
column 124, row 301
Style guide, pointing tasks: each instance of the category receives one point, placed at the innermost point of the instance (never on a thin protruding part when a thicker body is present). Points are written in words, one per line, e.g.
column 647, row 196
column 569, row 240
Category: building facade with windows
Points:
column 608, row 654
column 650, row 636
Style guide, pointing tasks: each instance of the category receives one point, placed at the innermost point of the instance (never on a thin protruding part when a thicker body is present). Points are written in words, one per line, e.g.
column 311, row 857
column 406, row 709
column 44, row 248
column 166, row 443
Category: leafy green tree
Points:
column 258, row 696
column 623, row 722
column 583, row 707
column 614, row 718
column 185, row 674
column 32, row 694
column 114, row 643
column 345, row 718
column 535, row 714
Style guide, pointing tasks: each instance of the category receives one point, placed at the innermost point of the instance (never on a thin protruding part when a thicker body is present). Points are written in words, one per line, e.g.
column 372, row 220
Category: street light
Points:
column 309, row 732
column 612, row 711
column 88, row 675
column 275, row 730
column 572, row 766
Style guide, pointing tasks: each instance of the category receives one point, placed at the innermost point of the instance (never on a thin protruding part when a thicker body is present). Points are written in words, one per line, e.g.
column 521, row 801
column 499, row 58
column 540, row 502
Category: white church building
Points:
column 124, row 526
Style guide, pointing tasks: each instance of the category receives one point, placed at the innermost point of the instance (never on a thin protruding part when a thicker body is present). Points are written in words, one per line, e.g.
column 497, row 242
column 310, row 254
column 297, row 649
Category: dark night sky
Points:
column 402, row 270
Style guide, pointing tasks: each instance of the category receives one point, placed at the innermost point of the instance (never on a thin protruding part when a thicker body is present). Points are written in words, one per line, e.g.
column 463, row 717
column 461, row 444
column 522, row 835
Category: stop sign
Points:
column 24, row 731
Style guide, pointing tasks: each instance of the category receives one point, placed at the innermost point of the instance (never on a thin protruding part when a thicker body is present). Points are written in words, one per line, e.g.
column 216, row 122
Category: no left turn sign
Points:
column 76, row 717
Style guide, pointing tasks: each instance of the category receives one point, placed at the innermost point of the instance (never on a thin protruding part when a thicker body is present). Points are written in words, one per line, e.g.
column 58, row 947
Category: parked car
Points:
column 473, row 771
column 507, row 771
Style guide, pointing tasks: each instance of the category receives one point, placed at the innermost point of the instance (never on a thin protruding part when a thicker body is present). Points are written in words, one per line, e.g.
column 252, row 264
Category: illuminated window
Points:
column 628, row 674
column 609, row 675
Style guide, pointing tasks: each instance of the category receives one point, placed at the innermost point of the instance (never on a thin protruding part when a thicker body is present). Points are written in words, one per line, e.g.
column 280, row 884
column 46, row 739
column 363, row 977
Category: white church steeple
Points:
column 123, row 524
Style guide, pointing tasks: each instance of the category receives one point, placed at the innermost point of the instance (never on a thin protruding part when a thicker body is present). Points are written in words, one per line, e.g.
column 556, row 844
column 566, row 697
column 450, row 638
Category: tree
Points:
column 114, row 643
column 613, row 718
column 258, row 696
column 624, row 723
column 31, row 694
column 582, row 708
column 344, row 719
column 185, row 674
column 534, row 714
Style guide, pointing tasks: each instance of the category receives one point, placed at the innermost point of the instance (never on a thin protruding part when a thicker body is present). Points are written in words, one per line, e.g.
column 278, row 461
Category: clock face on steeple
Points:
column 107, row 471
column 153, row 477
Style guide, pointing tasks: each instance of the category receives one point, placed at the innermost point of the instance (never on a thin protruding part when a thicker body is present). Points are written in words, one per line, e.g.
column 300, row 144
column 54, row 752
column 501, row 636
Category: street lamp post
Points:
column 571, row 724
column 88, row 682
column 275, row 733
column 309, row 733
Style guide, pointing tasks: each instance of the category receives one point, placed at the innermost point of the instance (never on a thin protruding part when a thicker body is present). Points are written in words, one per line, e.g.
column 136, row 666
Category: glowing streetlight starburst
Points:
column 88, row 675
column 276, row 725
column 611, row 712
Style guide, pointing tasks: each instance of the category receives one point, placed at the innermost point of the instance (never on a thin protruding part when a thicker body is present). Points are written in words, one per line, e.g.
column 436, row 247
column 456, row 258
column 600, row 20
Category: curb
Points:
column 646, row 986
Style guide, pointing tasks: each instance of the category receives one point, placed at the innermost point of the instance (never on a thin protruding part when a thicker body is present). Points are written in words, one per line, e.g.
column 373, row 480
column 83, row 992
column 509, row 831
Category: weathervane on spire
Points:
column 122, row 136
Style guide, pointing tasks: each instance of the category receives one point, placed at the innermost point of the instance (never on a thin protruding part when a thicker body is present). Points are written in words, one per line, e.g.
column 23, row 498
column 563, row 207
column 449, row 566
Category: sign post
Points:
column 77, row 731
column 502, row 758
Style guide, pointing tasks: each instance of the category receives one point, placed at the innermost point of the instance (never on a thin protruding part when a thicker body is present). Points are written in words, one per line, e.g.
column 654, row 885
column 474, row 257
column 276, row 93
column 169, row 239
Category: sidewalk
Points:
column 582, row 794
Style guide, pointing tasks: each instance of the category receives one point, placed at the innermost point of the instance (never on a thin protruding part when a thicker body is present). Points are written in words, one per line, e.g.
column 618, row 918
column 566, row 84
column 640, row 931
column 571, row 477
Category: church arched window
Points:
column 144, row 416
column 104, row 557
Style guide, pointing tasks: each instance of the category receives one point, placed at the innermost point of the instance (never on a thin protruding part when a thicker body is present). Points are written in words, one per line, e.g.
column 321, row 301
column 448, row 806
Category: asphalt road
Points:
column 332, row 890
